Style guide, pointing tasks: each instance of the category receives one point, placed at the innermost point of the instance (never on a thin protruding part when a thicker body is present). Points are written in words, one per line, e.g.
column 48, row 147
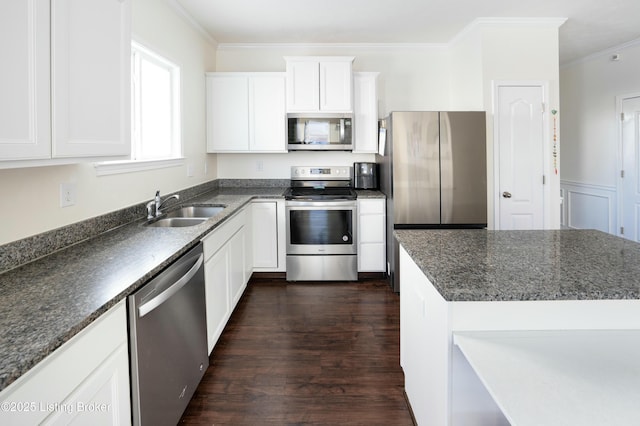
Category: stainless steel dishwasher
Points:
column 168, row 336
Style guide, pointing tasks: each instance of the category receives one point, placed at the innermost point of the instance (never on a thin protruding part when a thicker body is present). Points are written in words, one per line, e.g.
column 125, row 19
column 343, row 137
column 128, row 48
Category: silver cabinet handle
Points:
column 506, row 194
column 175, row 287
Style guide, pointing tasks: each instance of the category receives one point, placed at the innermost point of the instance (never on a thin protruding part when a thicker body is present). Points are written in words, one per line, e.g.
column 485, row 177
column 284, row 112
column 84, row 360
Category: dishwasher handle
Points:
column 173, row 289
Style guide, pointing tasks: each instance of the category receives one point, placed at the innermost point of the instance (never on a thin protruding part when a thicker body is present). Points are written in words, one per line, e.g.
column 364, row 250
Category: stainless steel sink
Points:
column 195, row 211
column 177, row 222
column 187, row 216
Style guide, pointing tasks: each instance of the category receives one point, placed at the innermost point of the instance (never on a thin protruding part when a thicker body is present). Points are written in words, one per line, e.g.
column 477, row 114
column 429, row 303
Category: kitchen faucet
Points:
column 156, row 204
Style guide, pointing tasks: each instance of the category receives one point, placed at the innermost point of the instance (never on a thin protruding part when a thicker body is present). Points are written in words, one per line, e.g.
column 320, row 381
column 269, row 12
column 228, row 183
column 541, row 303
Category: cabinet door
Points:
column 365, row 109
column 267, row 112
column 91, row 368
column 336, row 86
column 303, row 79
column 99, row 398
column 91, row 78
column 25, row 130
column 372, row 255
column 236, row 268
column 216, row 273
column 265, row 235
column 227, row 112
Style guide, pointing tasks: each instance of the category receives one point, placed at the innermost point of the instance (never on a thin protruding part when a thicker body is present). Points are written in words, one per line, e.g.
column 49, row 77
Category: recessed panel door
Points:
column 519, row 134
column 630, row 226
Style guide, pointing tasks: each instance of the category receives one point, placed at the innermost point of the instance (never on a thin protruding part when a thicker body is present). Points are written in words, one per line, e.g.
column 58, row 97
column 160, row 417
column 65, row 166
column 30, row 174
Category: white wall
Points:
column 454, row 76
column 31, row 195
column 524, row 53
column 412, row 77
column 589, row 133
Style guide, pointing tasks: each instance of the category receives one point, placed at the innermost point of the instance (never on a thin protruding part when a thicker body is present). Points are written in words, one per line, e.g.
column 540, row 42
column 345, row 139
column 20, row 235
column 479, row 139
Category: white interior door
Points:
column 630, row 226
column 519, row 137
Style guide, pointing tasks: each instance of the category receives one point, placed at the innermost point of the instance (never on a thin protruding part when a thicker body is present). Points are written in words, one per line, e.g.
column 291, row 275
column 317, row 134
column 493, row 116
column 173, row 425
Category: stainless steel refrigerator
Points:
column 433, row 172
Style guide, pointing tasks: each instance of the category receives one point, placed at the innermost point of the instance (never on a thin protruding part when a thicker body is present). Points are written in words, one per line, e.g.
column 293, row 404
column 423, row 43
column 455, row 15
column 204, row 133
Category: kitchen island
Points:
column 483, row 314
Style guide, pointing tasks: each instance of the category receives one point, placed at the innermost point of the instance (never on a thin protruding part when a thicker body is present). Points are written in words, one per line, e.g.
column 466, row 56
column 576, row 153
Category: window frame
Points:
column 140, row 51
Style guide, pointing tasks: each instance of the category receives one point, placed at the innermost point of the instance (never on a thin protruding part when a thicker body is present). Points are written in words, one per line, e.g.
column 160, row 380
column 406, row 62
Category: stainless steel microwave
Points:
column 320, row 132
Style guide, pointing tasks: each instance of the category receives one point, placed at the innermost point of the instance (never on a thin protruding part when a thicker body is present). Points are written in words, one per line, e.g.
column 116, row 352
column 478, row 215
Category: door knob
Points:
column 506, row 194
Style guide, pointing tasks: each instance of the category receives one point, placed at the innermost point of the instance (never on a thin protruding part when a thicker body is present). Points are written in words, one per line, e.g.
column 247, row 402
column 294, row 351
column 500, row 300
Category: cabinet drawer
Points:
column 375, row 206
column 222, row 234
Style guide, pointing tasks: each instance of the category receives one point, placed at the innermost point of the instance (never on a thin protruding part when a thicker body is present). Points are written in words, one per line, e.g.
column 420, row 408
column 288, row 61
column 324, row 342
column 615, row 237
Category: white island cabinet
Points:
column 66, row 96
column 85, row 381
column 495, row 362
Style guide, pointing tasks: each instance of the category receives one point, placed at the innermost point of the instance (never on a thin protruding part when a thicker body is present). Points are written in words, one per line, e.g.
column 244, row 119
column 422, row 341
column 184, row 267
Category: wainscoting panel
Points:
column 587, row 206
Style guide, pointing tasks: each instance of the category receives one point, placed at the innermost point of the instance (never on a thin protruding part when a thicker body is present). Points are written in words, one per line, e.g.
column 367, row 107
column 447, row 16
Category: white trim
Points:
column 132, row 166
column 546, row 149
column 519, row 22
column 333, row 46
column 594, row 193
column 181, row 11
column 606, row 52
column 619, row 162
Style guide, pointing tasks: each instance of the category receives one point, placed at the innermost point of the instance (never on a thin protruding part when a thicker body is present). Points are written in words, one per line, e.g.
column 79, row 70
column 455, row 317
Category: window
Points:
column 155, row 115
column 155, row 106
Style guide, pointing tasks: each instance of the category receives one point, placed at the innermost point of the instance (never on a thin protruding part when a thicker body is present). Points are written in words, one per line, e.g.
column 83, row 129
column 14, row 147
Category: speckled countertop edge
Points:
column 46, row 302
column 568, row 264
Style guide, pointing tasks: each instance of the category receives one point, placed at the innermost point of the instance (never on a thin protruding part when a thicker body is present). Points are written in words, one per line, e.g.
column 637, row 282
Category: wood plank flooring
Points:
column 320, row 353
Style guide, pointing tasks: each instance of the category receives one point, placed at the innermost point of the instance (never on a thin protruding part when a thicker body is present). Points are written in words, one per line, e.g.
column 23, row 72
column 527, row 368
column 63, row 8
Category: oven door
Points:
column 321, row 227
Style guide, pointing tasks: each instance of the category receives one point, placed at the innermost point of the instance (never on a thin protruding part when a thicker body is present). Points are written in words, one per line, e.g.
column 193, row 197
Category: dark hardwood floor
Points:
column 321, row 353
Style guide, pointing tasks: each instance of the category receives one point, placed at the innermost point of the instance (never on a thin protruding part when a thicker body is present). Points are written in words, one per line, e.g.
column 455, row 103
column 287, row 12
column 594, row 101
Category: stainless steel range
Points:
column 321, row 215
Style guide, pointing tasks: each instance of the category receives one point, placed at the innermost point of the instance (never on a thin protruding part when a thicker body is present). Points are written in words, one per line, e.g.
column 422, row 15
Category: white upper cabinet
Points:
column 246, row 112
column 365, row 98
column 319, row 84
column 25, row 119
column 91, row 77
column 66, row 81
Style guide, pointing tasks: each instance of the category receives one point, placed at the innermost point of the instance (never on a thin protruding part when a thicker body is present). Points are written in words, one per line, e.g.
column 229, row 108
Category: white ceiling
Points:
column 592, row 25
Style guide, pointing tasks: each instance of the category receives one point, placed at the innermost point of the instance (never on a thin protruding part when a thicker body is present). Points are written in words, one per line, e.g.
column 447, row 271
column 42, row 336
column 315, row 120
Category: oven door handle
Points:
column 173, row 289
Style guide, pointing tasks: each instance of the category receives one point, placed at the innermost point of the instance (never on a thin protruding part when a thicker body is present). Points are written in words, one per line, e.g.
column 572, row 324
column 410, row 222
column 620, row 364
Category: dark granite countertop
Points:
column 568, row 264
column 46, row 302
column 369, row 193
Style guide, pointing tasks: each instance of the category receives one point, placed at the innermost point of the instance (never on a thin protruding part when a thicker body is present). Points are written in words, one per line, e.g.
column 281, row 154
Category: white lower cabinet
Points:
column 85, row 381
column 372, row 252
column 266, row 239
column 225, row 272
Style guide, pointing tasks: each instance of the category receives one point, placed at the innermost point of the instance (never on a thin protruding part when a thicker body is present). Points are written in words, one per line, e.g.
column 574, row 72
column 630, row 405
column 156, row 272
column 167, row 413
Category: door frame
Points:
column 619, row 161
column 546, row 148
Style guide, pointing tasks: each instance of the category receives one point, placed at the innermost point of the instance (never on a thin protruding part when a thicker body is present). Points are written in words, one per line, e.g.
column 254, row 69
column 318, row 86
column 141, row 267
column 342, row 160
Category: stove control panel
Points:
column 321, row 172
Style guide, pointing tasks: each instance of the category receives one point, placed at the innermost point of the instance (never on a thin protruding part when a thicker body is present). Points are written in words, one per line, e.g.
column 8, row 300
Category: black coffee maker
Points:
column 365, row 175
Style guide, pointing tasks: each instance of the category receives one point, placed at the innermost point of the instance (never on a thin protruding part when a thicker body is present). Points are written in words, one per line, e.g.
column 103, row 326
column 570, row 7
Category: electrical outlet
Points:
column 259, row 165
column 68, row 194
column 189, row 170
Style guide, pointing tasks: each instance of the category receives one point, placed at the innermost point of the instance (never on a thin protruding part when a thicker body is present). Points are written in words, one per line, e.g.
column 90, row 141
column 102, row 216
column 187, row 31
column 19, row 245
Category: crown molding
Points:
column 180, row 10
column 606, row 52
column 333, row 46
column 507, row 22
